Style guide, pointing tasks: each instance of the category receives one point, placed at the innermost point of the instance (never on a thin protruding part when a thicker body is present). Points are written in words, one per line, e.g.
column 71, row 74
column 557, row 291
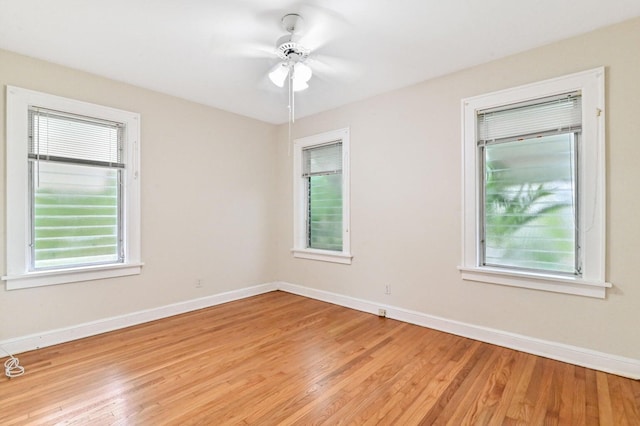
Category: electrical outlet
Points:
column 387, row 289
column 199, row 283
column 382, row 312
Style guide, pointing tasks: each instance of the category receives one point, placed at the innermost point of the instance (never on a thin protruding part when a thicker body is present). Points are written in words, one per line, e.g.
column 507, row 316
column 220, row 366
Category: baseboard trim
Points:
column 627, row 367
column 67, row 334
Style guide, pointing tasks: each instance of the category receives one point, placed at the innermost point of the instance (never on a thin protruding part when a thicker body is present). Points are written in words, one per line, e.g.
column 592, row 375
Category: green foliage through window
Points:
column 529, row 199
column 325, row 212
column 75, row 211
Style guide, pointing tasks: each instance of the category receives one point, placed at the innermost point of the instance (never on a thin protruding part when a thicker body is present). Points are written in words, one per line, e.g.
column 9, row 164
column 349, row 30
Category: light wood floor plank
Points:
column 282, row 359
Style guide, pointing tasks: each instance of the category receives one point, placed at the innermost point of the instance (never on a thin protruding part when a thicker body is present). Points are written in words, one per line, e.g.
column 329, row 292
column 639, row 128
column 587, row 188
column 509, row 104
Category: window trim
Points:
column 592, row 202
column 18, row 275
column 300, row 249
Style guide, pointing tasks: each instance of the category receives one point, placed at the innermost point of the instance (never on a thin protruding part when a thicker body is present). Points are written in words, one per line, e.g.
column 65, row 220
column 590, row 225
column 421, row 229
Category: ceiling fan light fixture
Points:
column 299, row 85
column 279, row 74
column 301, row 72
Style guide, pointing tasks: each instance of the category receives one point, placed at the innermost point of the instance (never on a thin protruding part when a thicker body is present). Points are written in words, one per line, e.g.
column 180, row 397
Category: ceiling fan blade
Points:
column 244, row 50
column 332, row 67
column 320, row 26
column 241, row 35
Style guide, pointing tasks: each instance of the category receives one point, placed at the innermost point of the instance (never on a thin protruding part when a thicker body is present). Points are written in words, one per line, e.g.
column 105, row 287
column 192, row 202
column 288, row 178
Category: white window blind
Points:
column 56, row 136
column 527, row 119
column 529, row 153
column 322, row 160
column 75, row 166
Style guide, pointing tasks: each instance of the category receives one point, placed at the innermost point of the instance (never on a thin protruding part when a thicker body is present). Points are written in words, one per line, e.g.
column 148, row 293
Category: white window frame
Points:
column 592, row 201
column 18, row 274
column 300, row 249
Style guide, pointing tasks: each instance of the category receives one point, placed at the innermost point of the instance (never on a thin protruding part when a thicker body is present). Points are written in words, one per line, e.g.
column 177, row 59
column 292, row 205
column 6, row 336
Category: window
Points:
column 72, row 191
column 528, row 196
column 321, row 197
column 534, row 186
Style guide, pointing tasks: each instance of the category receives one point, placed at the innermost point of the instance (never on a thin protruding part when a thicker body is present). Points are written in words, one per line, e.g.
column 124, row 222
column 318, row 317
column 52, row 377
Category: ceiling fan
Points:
column 292, row 68
column 293, row 56
column 298, row 53
column 305, row 48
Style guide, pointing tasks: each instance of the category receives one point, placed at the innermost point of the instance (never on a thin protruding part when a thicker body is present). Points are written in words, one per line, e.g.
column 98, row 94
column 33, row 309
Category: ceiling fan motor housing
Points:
column 287, row 49
column 290, row 50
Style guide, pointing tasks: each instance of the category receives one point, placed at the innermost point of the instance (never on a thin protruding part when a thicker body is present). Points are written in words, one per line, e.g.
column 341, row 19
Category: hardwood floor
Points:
column 278, row 358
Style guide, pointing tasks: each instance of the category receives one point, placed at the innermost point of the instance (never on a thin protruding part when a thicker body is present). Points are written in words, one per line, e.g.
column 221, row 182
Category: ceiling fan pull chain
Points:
column 290, row 107
column 293, row 96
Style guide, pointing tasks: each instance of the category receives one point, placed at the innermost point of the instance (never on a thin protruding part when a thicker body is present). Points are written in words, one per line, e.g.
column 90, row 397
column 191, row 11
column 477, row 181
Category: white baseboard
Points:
column 614, row 364
column 67, row 334
column 627, row 367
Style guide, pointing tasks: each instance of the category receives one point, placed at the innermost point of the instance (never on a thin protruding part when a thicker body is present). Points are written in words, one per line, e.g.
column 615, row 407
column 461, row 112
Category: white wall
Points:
column 406, row 200
column 207, row 188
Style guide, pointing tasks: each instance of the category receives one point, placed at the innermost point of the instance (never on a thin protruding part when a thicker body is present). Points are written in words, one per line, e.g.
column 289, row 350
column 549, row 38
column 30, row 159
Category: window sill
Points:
column 556, row 284
column 323, row 255
column 71, row 275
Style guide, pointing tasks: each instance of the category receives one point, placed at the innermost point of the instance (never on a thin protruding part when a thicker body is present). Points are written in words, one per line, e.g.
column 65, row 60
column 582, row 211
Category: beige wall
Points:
column 217, row 203
column 207, row 209
column 406, row 200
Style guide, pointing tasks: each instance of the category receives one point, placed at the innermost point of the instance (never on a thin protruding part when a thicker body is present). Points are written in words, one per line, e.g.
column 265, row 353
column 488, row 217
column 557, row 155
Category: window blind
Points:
column 529, row 153
column 544, row 116
column 322, row 160
column 58, row 136
column 75, row 167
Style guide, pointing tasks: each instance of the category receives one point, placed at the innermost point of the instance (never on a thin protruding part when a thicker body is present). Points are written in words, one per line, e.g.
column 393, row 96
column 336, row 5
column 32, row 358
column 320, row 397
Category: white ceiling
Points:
column 218, row 52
